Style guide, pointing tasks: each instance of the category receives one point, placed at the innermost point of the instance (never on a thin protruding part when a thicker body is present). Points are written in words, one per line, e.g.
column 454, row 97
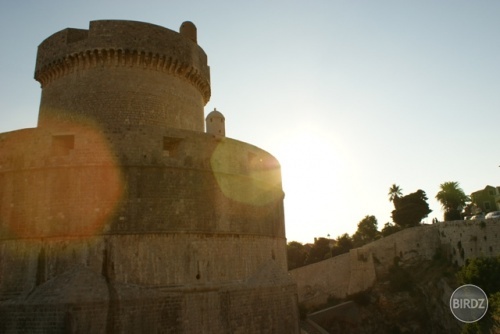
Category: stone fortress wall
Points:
column 358, row 270
column 119, row 214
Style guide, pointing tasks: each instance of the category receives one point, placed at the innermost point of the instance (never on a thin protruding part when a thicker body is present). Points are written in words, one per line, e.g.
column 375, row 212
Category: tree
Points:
column 296, row 254
column 319, row 251
column 389, row 229
column 343, row 244
column 394, row 192
column 367, row 231
column 452, row 199
column 410, row 209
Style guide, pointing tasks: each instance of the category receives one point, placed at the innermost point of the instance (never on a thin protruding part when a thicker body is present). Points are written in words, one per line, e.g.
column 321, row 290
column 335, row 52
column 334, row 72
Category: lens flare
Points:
column 57, row 183
column 246, row 174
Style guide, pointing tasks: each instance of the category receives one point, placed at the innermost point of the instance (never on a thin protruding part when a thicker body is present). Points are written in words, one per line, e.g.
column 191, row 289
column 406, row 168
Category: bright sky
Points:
column 350, row 96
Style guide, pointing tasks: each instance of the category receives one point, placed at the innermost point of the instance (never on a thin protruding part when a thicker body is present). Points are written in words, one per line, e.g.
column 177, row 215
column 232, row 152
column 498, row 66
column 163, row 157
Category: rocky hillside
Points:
column 411, row 298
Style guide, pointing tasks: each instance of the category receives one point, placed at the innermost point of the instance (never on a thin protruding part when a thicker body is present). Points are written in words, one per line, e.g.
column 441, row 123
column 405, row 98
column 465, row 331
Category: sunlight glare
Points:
column 313, row 168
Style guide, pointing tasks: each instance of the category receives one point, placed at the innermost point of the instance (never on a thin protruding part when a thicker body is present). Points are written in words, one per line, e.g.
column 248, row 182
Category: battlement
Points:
column 116, row 57
column 124, row 43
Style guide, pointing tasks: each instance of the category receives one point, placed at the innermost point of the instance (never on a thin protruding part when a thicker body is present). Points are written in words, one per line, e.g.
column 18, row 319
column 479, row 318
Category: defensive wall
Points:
column 358, row 270
column 119, row 214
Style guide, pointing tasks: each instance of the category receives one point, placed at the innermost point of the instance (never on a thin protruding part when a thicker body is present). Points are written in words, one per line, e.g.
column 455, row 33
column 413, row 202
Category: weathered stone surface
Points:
column 119, row 215
column 122, row 72
column 358, row 270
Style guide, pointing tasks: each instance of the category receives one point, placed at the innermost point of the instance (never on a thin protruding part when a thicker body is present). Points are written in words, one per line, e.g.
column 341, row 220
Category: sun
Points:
column 306, row 154
column 312, row 170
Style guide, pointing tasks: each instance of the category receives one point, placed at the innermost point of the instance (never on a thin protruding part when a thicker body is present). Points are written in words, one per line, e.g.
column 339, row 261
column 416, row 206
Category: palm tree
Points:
column 452, row 199
column 394, row 192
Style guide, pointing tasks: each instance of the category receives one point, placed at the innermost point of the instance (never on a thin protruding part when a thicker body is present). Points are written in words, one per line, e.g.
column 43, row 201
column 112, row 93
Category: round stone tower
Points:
column 121, row 73
column 118, row 214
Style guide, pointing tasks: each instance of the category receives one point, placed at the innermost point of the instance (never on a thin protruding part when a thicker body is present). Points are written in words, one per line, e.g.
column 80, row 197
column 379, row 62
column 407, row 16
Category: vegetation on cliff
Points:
column 484, row 272
column 413, row 297
column 406, row 299
column 413, row 294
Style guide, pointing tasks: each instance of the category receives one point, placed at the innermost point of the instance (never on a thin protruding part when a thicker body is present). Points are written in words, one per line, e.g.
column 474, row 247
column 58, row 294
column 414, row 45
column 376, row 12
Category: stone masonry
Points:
column 119, row 214
column 358, row 270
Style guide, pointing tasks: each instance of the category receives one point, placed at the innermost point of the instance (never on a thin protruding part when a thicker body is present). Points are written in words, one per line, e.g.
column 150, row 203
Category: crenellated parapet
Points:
column 126, row 58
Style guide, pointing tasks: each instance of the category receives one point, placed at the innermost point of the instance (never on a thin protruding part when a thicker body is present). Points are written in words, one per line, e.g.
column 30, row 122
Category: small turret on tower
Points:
column 215, row 122
column 188, row 29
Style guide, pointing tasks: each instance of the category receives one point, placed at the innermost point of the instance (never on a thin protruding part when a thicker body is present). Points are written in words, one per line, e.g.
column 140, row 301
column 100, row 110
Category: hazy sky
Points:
column 351, row 96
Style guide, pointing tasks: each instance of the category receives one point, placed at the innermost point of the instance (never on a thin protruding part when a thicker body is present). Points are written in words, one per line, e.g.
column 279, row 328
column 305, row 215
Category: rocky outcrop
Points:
column 410, row 299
